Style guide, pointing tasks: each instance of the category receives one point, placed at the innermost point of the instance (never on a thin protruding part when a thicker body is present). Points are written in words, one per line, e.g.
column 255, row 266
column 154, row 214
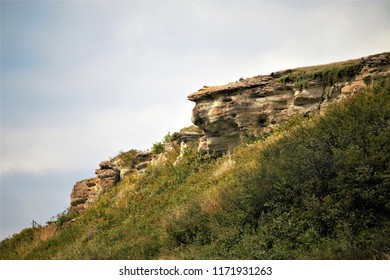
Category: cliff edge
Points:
column 231, row 113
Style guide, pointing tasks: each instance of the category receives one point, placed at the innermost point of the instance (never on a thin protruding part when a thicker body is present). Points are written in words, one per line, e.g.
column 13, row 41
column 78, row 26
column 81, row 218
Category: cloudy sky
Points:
column 82, row 80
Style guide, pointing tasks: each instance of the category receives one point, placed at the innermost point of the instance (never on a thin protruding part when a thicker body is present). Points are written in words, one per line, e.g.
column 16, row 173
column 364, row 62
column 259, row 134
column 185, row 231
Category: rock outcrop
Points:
column 85, row 192
column 108, row 174
column 229, row 114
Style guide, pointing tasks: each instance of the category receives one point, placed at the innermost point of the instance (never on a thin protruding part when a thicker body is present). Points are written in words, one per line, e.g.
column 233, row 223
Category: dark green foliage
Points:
column 327, row 182
column 192, row 227
column 158, row 148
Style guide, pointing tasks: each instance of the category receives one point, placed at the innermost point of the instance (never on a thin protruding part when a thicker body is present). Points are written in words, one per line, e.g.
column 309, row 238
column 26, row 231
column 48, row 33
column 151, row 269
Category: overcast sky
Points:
column 82, row 80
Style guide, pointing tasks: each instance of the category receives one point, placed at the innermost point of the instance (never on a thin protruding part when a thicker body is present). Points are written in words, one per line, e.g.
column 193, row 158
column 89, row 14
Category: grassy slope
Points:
column 316, row 188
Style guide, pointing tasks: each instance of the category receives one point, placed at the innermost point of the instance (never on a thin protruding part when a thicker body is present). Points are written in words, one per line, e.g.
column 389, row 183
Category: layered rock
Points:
column 108, row 174
column 229, row 114
column 85, row 192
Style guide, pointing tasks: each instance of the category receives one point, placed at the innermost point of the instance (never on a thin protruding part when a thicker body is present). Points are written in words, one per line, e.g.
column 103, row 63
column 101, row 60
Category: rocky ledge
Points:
column 85, row 192
column 229, row 114
column 110, row 172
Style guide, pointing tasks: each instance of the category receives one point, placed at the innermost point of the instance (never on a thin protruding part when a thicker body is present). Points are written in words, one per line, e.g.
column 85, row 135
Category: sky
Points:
column 83, row 80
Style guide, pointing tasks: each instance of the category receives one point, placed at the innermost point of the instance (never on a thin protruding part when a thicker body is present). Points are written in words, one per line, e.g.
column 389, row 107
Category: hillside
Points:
column 310, row 180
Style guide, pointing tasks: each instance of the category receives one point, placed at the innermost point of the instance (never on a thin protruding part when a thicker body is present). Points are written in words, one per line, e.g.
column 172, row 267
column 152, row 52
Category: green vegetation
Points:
column 65, row 217
column 159, row 147
column 328, row 75
column 315, row 188
column 128, row 158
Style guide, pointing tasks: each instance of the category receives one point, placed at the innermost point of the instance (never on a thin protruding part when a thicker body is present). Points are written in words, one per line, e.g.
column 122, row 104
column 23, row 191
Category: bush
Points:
column 158, row 148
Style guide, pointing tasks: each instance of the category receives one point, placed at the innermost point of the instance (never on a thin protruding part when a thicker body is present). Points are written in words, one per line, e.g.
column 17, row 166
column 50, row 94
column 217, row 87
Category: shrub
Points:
column 158, row 148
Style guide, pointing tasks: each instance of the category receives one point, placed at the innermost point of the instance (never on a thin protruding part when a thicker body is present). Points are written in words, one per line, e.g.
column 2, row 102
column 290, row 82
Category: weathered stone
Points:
column 143, row 156
column 353, row 87
column 189, row 137
column 107, row 165
column 106, row 173
column 203, row 146
column 83, row 194
column 126, row 171
column 87, row 191
column 142, row 165
column 304, row 97
column 183, row 148
column 229, row 114
column 146, row 159
column 158, row 159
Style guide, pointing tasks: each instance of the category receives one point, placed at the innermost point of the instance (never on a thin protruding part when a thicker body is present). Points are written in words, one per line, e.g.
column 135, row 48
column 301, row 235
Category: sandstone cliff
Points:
column 229, row 114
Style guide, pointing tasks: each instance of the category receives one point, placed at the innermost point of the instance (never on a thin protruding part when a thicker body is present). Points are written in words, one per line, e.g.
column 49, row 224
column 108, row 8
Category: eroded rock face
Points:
column 229, row 114
column 85, row 192
column 108, row 174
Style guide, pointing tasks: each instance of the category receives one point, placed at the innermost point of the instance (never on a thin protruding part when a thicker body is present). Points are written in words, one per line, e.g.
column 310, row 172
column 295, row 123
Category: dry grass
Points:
column 227, row 165
column 46, row 232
